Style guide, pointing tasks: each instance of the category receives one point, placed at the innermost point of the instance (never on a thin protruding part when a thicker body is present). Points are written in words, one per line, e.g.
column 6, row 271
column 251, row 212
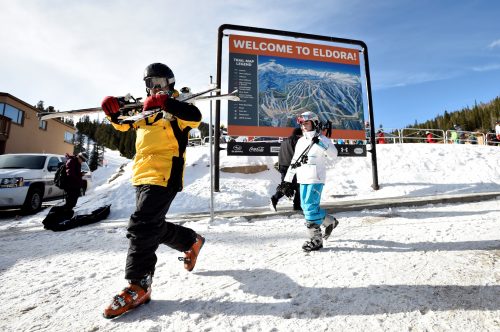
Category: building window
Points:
column 15, row 114
column 69, row 137
column 42, row 124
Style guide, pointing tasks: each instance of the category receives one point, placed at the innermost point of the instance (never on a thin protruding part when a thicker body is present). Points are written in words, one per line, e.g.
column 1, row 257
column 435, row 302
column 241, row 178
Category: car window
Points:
column 22, row 161
column 53, row 161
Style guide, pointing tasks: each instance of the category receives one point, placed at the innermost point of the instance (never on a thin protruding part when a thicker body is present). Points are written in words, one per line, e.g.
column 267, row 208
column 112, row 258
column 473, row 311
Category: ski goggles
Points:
column 303, row 118
column 156, row 82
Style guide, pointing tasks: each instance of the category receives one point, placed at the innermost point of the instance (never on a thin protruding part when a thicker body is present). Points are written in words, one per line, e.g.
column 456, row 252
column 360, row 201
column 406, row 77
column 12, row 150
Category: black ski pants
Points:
column 147, row 229
column 72, row 195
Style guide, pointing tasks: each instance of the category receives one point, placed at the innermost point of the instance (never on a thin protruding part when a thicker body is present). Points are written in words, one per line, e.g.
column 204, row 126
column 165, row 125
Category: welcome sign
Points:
column 278, row 80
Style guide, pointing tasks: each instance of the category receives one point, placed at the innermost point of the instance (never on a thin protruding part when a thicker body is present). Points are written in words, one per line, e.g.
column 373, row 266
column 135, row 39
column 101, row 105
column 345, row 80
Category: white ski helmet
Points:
column 308, row 116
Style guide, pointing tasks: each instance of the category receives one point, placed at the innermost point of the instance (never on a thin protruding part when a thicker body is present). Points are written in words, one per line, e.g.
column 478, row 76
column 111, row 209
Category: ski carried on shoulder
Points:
column 53, row 115
column 130, row 105
column 232, row 96
column 301, row 159
column 188, row 98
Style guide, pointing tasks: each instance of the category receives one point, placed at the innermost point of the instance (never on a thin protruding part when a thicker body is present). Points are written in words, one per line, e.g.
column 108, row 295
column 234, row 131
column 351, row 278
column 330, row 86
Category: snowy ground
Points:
column 431, row 268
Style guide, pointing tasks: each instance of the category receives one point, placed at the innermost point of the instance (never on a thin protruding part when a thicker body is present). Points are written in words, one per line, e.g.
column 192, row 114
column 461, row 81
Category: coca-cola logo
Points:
column 259, row 149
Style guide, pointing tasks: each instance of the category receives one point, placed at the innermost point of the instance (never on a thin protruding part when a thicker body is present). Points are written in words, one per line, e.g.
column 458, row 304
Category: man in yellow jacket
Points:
column 158, row 173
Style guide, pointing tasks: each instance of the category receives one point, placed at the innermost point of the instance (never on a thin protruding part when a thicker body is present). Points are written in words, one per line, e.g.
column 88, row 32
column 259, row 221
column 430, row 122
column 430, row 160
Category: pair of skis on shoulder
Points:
column 131, row 107
column 187, row 97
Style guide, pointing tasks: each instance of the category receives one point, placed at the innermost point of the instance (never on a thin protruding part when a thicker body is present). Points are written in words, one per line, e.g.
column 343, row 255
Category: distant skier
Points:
column 460, row 134
column 309, row 164
column 429, row 137
column 328, row 127
column 380, row 136
column 158, row 174
column 74, row 180
column 454, row 135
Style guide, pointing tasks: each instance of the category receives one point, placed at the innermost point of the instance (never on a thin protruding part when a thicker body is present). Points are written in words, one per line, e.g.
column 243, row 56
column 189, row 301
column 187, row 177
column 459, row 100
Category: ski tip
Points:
column 49, row 116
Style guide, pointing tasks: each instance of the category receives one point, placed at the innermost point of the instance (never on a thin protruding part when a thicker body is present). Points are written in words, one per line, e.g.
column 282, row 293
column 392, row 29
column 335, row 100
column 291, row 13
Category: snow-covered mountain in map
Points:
column 285, row 92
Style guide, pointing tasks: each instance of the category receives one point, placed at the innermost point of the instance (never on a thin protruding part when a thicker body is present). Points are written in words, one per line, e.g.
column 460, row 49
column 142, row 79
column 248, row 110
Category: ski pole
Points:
column 299, row 158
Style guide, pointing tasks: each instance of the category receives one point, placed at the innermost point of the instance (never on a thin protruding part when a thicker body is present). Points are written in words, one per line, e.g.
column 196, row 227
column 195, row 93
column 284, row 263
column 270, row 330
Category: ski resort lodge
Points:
column 22, row 132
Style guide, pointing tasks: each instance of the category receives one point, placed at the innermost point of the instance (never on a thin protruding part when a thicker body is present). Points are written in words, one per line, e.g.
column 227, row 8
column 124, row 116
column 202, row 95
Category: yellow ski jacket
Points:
column 160, row 145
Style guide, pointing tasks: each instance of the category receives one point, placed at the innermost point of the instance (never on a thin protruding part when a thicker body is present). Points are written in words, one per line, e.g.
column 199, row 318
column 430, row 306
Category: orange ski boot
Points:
column 191, row 255
column 131, row 297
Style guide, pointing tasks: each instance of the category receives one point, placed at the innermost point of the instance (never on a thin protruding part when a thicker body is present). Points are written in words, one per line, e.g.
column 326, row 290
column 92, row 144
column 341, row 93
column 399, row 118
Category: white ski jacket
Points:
column 314, row 170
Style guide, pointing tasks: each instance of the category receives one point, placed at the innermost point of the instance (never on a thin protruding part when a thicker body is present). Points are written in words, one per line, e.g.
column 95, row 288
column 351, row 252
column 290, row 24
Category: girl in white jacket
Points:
column 309, row 164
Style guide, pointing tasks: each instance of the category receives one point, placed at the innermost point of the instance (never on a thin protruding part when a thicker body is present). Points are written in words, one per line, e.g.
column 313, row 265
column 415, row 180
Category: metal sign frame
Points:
column 363, row 50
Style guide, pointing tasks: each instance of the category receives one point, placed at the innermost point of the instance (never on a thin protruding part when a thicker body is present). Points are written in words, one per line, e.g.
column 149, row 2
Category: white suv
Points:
column 27, row 179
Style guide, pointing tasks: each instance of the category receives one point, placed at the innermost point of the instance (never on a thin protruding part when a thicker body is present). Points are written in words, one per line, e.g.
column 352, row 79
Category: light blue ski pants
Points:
column 310, row 197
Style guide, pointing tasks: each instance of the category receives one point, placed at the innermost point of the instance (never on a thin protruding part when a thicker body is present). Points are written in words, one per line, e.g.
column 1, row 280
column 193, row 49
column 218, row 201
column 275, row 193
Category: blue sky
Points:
column 425, row 56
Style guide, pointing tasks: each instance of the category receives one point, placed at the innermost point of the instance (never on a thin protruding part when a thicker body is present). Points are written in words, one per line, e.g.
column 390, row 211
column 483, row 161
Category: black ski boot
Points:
column 316, row 241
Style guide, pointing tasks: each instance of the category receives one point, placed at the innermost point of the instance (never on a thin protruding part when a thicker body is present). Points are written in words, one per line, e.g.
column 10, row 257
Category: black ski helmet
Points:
column 160, row 70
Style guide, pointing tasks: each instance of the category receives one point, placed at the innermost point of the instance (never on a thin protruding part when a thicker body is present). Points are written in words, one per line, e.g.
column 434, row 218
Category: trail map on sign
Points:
column 278, row 79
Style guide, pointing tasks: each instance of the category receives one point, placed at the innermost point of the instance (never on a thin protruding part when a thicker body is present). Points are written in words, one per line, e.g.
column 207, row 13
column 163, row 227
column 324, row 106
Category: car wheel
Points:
column 33, row 202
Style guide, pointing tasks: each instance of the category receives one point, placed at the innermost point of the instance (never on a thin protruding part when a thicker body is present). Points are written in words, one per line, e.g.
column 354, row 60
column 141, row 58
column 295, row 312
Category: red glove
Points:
column 110, row 106
column 155, row 101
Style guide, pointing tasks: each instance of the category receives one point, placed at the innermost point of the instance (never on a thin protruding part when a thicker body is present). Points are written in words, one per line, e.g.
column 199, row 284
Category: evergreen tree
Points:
column 204, row 129
column 480, row 118
column 78, row 143
column 39, row 106
column 94, row 157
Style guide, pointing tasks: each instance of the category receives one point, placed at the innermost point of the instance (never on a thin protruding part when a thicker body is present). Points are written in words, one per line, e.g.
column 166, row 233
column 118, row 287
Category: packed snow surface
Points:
column 428, row 268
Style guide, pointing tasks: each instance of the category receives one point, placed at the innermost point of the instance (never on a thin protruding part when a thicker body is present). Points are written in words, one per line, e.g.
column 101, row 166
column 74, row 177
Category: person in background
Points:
column 328, row 127
column 285, row 155
column 158, row 172
column 367, row 132
column 309, row 165
column 497, row 130
column 429, row 137
column 460, row 134
column 453, row 136
column 380, row 136
column 74, row 178
column 472, row 139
